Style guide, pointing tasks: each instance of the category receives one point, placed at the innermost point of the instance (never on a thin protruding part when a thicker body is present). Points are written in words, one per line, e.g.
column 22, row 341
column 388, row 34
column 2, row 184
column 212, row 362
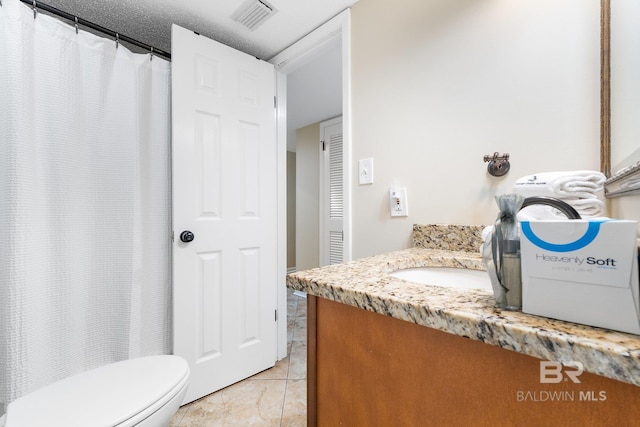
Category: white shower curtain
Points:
column 84, row 202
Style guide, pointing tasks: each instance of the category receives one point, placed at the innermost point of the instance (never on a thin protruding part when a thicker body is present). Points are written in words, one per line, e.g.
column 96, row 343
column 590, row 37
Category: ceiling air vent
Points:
column 253, row 13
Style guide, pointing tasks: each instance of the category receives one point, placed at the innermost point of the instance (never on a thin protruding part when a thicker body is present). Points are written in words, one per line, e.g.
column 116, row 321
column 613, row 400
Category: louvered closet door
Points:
column 332, row 202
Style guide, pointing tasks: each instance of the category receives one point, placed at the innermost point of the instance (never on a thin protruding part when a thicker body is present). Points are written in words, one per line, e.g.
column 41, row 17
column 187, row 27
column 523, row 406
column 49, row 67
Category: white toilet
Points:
column 144, row 392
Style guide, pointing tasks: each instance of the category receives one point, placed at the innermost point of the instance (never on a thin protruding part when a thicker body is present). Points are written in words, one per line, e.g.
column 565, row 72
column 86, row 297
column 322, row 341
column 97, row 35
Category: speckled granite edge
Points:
column 465, row 238
column 469, row 313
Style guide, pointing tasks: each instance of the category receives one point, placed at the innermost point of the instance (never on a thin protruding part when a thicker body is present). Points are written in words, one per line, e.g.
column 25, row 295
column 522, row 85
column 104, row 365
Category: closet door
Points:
column 331, row 193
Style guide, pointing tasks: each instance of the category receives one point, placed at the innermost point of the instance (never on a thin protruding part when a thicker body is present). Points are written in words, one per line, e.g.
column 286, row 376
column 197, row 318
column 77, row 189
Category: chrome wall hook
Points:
column 498, row 164
column 117, row 40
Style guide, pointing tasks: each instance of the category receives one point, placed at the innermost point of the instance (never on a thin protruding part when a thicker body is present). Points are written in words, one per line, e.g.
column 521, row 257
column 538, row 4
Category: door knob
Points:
column 187, row 236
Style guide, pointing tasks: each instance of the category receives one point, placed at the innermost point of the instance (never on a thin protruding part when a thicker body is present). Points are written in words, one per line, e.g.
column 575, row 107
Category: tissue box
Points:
column 583, row 271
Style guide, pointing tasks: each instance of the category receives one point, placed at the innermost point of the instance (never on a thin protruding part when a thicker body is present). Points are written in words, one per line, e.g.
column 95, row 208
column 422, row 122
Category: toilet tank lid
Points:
column 108, row 395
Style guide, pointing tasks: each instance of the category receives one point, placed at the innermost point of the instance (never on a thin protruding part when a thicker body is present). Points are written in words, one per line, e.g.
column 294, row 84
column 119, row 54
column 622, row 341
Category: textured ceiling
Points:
column 149, row 21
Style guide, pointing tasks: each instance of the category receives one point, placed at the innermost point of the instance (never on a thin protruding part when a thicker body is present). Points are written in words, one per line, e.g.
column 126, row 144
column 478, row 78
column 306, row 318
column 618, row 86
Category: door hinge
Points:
column 172, row 235
column 275, row 102
column 324, row 146
column 276, row 313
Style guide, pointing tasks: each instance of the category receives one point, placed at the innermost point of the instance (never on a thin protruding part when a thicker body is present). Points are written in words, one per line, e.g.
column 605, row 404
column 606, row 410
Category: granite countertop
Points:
column 469, row 313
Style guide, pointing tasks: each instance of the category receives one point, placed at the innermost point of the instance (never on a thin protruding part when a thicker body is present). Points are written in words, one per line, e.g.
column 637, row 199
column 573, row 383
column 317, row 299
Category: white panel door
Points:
column 331, row 193
column 225, row 194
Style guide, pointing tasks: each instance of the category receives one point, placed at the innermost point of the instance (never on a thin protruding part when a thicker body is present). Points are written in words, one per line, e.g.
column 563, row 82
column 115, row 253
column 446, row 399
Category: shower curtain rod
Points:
column 79, row 21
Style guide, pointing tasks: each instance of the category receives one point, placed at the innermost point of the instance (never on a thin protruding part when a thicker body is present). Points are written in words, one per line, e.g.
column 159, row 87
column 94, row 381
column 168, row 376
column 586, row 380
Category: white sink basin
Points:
column 460, row 278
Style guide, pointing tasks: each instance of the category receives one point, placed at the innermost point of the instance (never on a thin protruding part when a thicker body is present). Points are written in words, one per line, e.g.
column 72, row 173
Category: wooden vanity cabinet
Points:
column 366, row 369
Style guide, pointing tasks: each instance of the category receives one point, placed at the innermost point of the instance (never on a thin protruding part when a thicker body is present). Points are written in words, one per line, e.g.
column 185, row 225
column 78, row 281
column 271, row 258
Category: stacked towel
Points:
column 584, row 190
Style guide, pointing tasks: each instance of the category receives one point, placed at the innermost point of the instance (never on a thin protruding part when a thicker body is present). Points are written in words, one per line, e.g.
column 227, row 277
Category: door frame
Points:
column 300, row 53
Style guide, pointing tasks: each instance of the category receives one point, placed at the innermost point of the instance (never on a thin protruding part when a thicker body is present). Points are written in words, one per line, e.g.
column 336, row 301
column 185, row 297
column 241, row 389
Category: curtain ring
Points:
column 117, row 40
column 76, row 24
column 34, row 9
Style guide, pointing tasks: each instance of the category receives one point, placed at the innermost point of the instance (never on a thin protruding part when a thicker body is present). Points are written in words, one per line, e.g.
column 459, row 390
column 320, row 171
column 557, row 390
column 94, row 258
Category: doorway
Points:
column 313, row 86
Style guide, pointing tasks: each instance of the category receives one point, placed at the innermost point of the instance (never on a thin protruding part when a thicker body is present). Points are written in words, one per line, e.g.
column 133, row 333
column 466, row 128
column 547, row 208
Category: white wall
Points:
column 314, row 91
column 438, row 84
column 307, row 197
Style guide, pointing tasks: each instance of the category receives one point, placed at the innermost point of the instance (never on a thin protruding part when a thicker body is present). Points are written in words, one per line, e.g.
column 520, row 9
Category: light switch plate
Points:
column 365, row 171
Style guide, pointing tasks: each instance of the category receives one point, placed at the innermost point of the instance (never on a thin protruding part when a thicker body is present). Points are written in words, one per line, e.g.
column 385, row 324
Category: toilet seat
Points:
column 118, row 394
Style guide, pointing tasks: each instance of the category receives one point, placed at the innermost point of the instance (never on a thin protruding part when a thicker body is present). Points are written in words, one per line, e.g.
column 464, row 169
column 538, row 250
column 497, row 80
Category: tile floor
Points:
column 275, row 397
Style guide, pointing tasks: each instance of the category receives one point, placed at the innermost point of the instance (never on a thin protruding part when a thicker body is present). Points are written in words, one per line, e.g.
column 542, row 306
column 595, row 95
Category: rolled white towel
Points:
column 531, row 190
column 531, row 186
column 540, row 212
column 560, row 183
column 588, row 208
column 584, row 190
column 565, row 195
column 535, row 185
column 540, row 179
column 584, row 184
